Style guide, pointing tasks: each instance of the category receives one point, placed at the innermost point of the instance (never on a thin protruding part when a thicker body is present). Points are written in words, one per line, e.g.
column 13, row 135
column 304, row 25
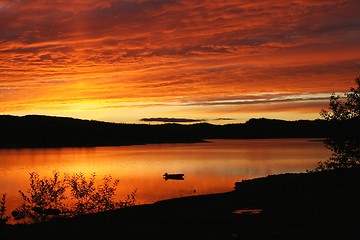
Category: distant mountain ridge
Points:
column 46, row 131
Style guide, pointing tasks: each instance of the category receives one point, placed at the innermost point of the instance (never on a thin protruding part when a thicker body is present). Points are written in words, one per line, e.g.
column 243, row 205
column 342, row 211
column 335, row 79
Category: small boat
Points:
column 177, row 176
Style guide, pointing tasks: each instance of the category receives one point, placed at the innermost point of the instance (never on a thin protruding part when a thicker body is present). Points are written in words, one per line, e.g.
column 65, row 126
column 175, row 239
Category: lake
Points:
column 208, row 167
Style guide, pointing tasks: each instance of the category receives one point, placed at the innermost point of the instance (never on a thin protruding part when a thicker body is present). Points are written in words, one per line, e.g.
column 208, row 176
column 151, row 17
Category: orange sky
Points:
column 219, row 61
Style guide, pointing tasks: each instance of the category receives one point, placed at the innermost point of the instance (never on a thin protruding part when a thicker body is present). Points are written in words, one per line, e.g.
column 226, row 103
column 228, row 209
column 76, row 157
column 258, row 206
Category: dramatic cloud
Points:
column 224, row 119
column 172, row 120
column 155, row 58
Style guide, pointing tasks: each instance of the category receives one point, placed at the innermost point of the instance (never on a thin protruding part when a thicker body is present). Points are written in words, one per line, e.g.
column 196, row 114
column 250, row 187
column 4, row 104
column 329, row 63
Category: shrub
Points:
column 91, row 198
column 3, row 218
column 45, row 198
column 43, row 201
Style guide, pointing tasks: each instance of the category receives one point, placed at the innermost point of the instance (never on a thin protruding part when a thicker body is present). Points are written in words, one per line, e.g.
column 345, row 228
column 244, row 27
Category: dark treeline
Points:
column 45, row 131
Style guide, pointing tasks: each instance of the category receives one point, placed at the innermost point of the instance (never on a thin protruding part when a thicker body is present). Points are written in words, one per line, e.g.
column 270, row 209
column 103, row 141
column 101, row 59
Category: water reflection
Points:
column 209, row 167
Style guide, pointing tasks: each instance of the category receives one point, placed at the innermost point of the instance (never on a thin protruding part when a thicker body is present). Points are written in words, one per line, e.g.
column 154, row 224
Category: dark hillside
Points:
column 45, row 131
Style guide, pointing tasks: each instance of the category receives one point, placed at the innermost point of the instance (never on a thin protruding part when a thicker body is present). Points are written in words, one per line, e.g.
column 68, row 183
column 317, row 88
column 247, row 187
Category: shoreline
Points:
column 320, row 205
column 105, row 145
column 311, row 139
column 36, row 131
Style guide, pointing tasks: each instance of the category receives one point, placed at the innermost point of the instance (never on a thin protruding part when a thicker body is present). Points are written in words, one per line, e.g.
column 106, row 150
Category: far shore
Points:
column 34, row 131
column 314, row 205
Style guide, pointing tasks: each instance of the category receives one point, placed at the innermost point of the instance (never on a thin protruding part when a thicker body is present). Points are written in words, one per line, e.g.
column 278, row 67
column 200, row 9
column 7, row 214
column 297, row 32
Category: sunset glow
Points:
column 217, row 61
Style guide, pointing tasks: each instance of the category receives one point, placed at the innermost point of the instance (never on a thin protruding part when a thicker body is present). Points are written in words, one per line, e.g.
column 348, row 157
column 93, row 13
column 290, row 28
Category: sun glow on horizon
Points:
column 219, row 61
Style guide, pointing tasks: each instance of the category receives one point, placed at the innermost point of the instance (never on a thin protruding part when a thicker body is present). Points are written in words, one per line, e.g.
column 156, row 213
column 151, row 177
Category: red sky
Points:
column 219, row 61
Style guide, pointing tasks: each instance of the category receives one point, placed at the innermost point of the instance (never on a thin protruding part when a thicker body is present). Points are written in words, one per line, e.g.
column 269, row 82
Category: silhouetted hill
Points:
column 45, row 131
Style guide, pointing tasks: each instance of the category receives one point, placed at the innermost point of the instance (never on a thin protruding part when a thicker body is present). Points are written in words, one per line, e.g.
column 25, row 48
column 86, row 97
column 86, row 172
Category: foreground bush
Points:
column 45, row 199
column 3, row 218
column 90, row 198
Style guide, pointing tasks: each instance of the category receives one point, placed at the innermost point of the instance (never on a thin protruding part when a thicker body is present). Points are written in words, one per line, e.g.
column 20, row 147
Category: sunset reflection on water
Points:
column 209, row 167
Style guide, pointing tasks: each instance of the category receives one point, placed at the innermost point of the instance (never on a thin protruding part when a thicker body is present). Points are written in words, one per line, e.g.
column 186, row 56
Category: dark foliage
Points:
column 3, row 218
column 344, row 141
column 91, row 198
column 343, row 109
column 45, row 199
column 345, row 153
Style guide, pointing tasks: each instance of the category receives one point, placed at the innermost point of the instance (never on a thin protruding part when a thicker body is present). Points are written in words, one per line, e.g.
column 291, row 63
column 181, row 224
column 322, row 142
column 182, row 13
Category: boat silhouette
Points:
column 173, row 176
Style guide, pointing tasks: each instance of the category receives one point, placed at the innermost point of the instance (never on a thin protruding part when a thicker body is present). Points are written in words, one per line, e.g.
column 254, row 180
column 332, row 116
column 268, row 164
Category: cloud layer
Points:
column 179, row 57
column 172, row 120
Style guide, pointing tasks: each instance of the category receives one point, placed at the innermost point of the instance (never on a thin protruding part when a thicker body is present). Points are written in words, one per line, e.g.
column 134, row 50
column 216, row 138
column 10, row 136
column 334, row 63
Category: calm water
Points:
column 208, row 167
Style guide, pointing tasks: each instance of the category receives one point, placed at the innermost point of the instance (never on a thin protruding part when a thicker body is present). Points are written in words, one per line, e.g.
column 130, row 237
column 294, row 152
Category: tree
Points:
column 345, row 154
column 344, row 109
column 43, row 201
column 344, row 144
